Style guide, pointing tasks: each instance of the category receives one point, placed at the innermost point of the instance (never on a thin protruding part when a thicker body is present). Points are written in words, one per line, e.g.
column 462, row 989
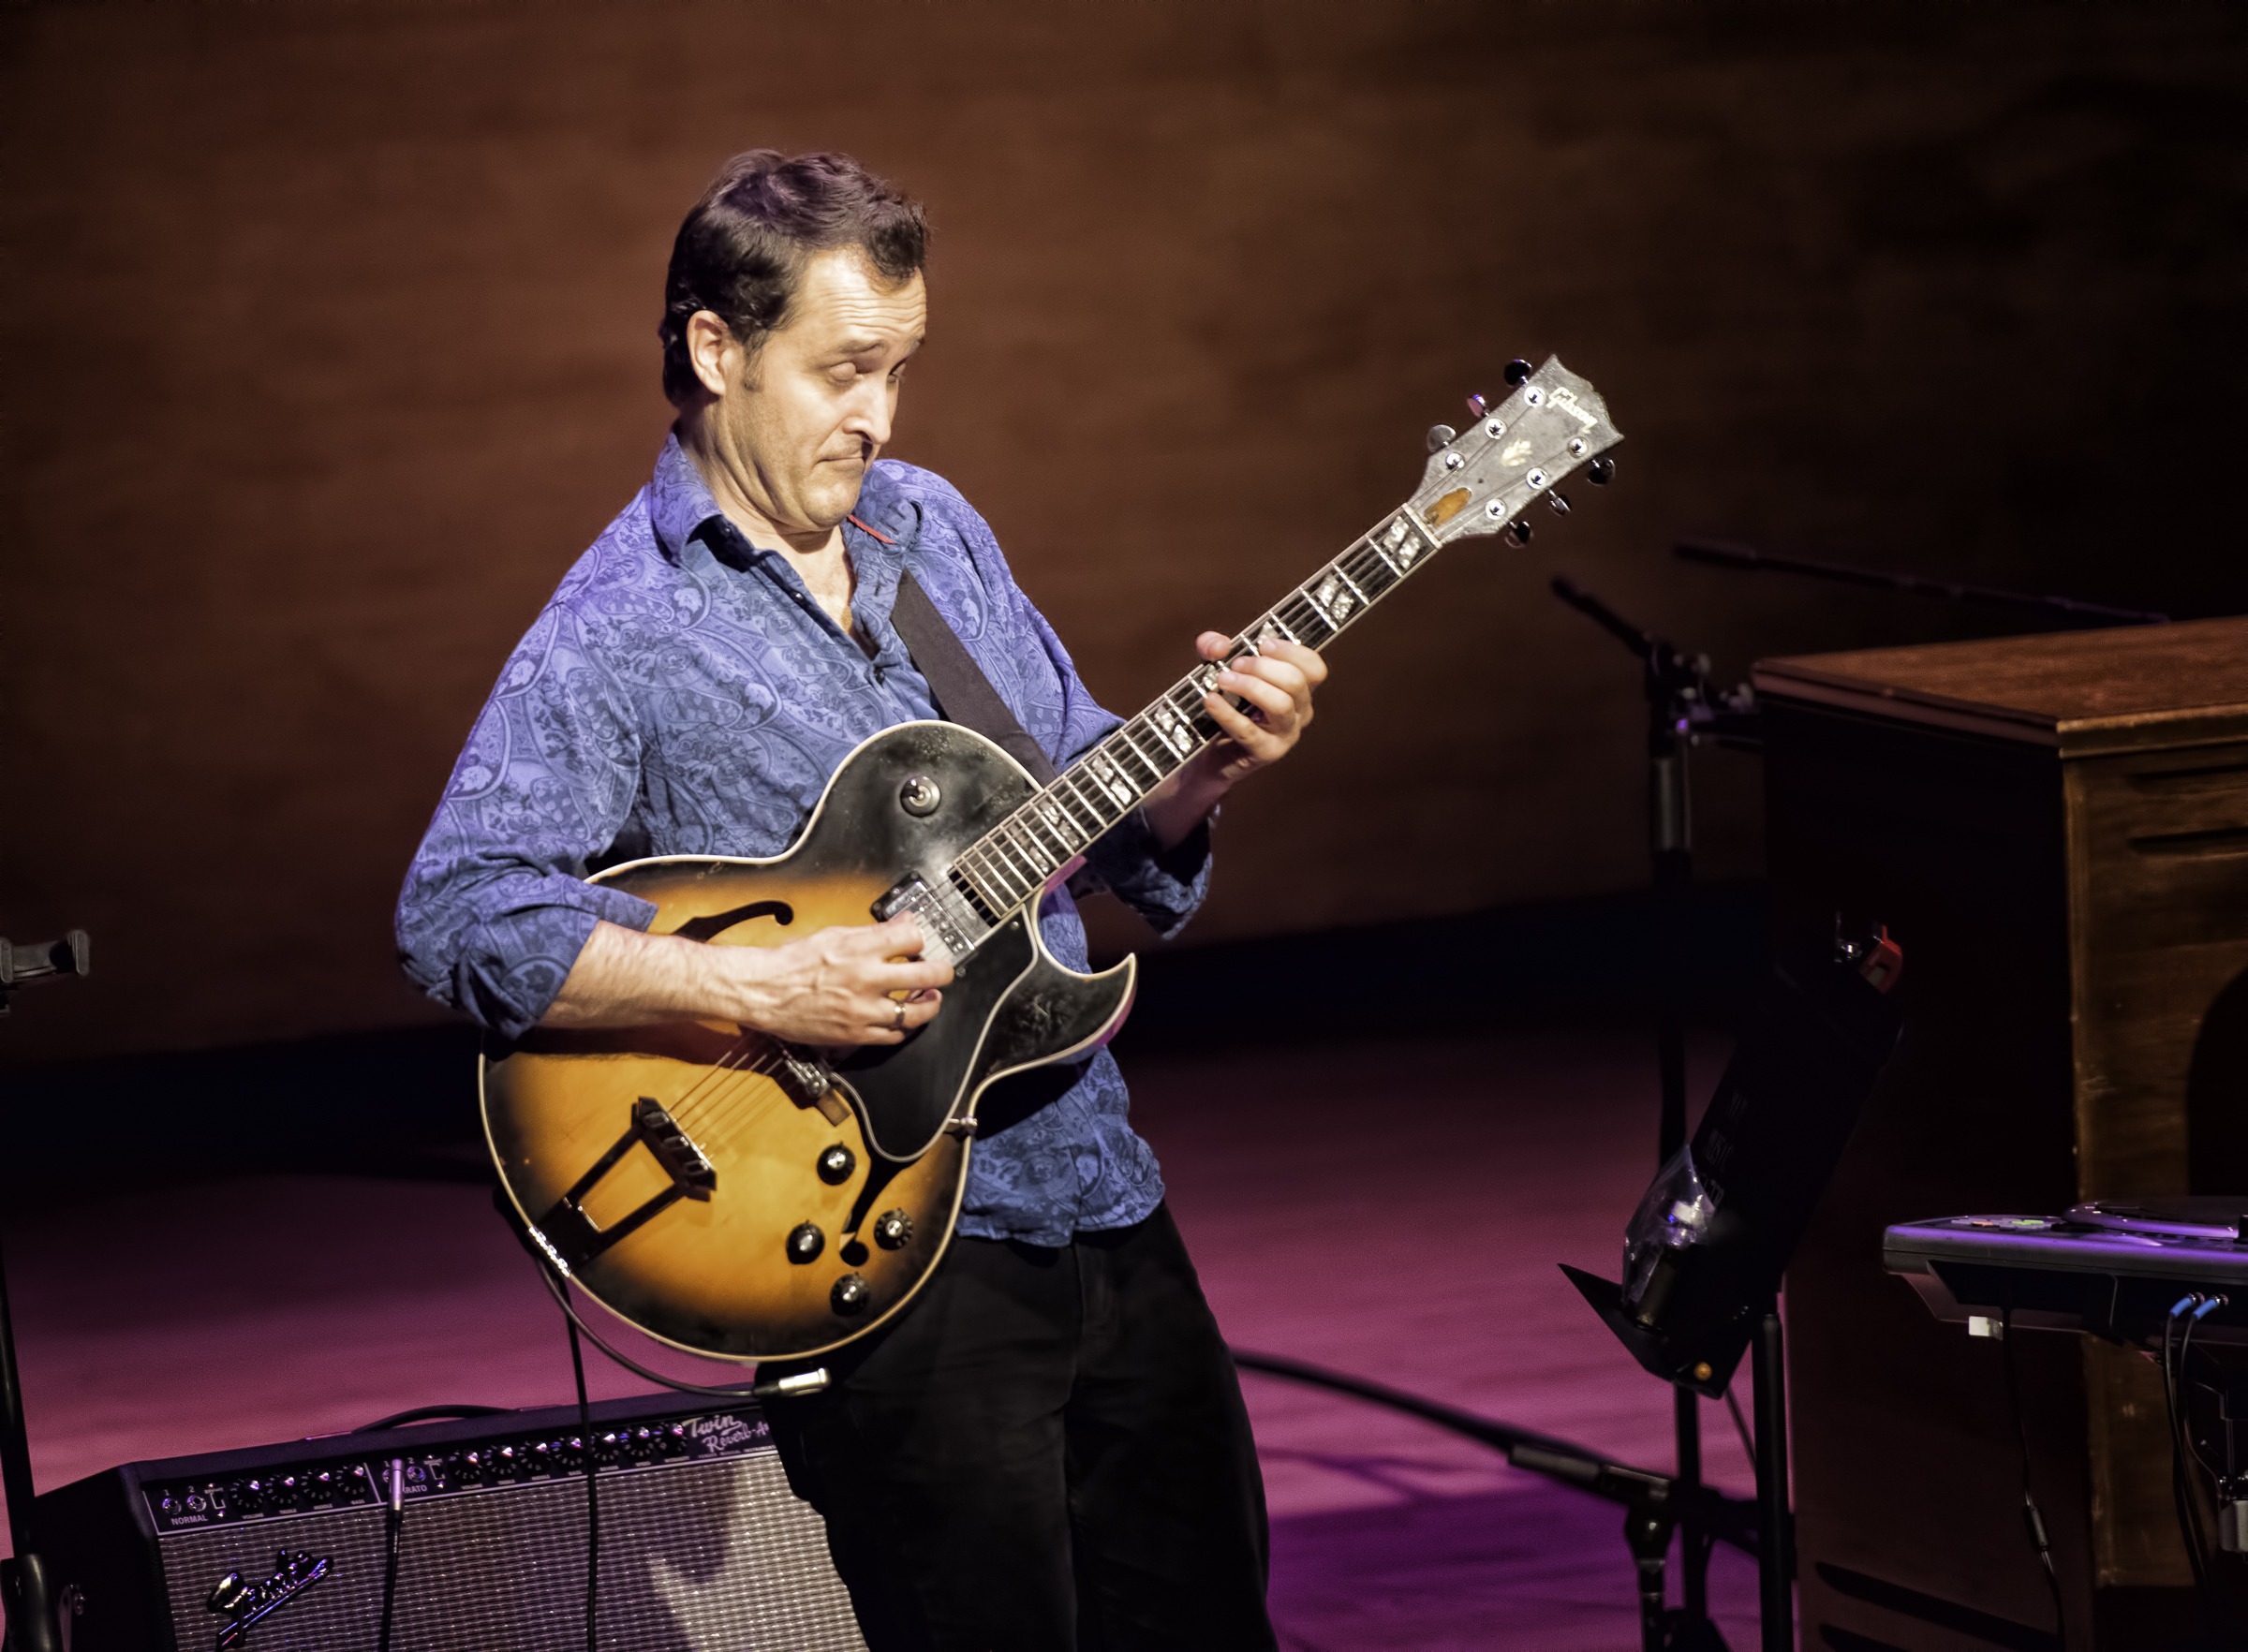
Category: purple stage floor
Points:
column 1392, row 1211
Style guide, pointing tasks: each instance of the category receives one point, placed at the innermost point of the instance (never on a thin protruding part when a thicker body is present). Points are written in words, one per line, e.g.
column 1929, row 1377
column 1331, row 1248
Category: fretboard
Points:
column 1008, row 867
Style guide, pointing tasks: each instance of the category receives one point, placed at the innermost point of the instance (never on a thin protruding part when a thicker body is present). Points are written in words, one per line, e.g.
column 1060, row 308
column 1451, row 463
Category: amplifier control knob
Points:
column 850, row 1294
column 894, row 1230
column 805, row 1243
column 837, row 1164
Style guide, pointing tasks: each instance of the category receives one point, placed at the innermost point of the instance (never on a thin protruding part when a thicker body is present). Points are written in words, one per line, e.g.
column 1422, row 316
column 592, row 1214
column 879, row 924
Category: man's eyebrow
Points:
column 864, row 344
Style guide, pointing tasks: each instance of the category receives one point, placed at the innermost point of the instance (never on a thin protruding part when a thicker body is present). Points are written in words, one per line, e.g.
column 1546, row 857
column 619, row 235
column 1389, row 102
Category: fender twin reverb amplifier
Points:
column 282, row 1548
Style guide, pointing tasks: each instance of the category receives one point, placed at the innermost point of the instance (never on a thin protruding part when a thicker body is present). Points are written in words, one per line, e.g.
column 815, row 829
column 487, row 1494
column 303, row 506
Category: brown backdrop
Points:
column 331, row 345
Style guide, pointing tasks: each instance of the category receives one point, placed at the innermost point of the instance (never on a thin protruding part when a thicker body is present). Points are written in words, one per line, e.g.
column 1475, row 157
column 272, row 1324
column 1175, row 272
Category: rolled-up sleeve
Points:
column 495, row 908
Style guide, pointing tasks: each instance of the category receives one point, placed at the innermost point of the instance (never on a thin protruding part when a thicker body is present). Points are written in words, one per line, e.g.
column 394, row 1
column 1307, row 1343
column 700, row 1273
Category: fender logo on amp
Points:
column 241, row 1602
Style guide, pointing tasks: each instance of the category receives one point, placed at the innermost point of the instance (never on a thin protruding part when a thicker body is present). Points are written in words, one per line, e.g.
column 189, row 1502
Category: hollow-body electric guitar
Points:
column 746, row 1198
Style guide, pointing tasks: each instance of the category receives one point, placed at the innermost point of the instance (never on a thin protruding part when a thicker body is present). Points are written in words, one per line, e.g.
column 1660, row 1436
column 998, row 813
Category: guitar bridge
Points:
column 571, row 1237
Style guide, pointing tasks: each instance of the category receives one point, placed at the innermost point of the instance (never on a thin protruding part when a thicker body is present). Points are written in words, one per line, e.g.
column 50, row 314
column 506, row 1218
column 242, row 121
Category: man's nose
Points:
column 870, row 414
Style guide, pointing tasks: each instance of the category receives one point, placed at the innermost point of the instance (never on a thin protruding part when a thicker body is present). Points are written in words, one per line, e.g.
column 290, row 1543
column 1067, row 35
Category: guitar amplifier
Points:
column 282, row 1548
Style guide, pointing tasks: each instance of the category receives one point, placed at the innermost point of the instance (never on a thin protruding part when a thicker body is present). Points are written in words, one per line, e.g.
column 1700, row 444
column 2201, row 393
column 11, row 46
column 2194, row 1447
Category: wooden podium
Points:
column 2055, row 828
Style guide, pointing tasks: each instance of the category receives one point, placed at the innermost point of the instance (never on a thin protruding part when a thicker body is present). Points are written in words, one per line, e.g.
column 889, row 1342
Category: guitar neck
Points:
column 1011, row 863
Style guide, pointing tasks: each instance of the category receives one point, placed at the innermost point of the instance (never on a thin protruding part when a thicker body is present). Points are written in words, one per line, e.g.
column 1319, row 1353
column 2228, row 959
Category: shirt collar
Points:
column 681, row 508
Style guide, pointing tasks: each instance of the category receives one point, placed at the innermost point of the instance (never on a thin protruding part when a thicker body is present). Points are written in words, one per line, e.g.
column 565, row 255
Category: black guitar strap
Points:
column 962, row 692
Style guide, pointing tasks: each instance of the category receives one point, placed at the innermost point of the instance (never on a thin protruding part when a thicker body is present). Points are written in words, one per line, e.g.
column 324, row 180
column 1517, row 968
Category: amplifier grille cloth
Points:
column 702, row 1556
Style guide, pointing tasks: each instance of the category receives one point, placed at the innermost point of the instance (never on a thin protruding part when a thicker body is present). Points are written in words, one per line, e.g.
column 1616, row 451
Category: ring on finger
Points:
column 898, row 1022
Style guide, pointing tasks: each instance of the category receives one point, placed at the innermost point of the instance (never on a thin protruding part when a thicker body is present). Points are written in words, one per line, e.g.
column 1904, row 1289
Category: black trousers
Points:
column 1047, row 1450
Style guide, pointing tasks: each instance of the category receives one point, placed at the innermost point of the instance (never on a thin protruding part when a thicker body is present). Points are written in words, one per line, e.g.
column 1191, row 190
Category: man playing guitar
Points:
column 1048, row 1447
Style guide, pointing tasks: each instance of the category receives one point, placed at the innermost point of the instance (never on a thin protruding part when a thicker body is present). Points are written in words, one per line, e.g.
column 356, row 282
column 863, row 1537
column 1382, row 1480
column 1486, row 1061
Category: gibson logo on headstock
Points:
column 1565, row 400
column 241, row 1602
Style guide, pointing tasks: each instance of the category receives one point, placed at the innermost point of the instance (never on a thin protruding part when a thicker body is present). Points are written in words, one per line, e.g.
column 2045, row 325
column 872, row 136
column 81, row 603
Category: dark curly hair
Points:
column 742, row 251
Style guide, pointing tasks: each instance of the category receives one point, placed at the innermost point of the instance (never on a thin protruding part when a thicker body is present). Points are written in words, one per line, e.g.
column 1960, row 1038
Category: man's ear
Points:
column 711, row 348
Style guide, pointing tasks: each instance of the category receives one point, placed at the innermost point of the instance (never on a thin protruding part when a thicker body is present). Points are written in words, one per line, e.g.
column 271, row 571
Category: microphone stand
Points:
column 26, row 1589
column 1683, row 710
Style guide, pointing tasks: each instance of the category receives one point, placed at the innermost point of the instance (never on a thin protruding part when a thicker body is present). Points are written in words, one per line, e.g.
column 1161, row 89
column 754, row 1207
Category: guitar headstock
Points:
column 1487, row 475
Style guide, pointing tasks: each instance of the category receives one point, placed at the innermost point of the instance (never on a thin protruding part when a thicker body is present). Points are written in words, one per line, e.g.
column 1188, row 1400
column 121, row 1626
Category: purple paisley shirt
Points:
column 682, row 694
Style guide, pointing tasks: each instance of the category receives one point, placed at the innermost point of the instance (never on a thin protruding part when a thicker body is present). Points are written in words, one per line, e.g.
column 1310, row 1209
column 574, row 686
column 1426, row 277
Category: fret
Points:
column 1082, row 814
column 1123, row 737
column 986, row 879
column 1011, row 879
column 1376, row 546
column 991, row 907
column 1106, row 775
column 1039, row 815
column 1311, row 623
column 1172, row 729
column 1148, row 737
column 1343, row 574
column 1017, row 863
column 1022, row 830
column 1273, row 620
column 1065, row 826
column 1092, row 802
column 1371, row 572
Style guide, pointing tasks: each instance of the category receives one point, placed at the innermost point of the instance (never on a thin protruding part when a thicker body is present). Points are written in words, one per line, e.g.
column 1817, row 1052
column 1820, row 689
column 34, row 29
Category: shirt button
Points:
column 876, row 672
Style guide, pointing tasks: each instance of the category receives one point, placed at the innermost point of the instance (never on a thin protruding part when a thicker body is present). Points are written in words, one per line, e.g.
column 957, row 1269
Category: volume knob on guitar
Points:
column 893, row 1229
column 805, row 1243
column 837, row 1164
column 850, row 1294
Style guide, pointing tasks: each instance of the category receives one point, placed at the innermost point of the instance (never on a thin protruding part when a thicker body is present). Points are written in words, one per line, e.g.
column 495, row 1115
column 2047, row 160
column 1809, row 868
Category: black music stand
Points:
column 1684, row 709
column 1708, row 1246
column 26, row 1589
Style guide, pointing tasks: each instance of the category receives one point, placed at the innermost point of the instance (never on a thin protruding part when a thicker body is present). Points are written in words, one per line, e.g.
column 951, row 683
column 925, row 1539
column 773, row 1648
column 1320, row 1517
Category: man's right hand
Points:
column 840, row 986
column 847, row 985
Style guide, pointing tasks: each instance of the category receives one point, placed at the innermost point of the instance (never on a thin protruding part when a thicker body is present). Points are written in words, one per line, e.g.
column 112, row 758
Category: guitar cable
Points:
column 803, row 1382
column 593, row 1500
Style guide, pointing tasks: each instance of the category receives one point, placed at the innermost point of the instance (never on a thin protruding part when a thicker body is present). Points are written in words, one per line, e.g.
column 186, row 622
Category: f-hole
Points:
column 702, row 929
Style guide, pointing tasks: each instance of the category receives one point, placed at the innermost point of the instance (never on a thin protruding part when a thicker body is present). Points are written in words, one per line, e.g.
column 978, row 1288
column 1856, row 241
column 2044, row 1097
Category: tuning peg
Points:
column 1602, row 471
column 1477, row 407
column 1560, row 503
column 1440, row 436
column 1517, row 370
column 1518, row 530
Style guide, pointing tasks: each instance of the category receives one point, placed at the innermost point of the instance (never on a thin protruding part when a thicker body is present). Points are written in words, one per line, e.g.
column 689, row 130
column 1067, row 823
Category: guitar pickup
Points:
column 572, row 1236
column 942, row 937
column 898, row 897
column 807, row 1084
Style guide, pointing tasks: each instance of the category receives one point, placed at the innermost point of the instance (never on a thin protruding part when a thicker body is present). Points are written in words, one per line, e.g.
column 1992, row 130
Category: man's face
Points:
column 802, row 421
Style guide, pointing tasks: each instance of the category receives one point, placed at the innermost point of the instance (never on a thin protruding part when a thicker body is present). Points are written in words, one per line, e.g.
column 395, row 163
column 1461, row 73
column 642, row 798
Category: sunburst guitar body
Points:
column 745, row 1200
column 751, row 1200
